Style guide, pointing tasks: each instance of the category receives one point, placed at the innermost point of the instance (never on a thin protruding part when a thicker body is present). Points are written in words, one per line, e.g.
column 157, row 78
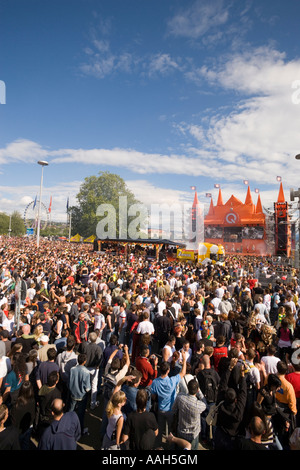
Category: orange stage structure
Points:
column 241, row 226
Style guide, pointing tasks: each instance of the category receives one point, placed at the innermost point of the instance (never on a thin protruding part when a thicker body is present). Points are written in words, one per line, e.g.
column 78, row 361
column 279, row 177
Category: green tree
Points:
column 95, row 191
column 16, row 223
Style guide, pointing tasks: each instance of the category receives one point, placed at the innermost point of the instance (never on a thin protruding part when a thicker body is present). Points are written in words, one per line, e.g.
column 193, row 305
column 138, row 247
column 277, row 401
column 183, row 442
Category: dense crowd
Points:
column 178, row 356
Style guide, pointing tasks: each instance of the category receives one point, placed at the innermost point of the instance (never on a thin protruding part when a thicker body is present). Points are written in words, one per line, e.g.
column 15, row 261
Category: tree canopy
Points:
column 106, row 188
column 16, row 224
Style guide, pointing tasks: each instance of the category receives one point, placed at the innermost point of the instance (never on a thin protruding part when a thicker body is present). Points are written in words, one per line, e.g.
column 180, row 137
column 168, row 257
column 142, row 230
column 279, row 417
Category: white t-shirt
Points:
column 260, row 320
column 270, row 364
column 160, row 307
column 171, row 351
column 216, row 302
column 145, row 327
column 220, row 292
column 267, row 301
column 177, row 309
column 122, row 317
column 99, row 320
column 188, row 355
column 8, row 324
column 31, row 292
column 5, row 366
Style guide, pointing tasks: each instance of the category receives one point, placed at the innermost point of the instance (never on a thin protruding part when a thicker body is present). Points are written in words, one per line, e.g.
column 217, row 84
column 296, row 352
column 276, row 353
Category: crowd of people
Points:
column 176, row 355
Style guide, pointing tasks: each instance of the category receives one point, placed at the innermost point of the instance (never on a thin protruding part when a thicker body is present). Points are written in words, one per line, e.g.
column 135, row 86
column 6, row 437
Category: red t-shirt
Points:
column 252, row 283
column 294, row 379
column 149, row 374
column 218, row 354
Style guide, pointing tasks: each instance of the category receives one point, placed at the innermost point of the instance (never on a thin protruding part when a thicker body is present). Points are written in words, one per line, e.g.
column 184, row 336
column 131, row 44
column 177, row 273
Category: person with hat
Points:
column 44, row 346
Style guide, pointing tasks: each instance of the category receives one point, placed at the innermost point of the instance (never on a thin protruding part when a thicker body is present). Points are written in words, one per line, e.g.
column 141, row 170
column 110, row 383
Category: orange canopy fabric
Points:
column 234, row 212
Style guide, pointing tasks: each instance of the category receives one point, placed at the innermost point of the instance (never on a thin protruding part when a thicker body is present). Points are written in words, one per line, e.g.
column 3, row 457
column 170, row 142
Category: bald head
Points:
column 257, row 426
column 57, row 408
column 26, row 329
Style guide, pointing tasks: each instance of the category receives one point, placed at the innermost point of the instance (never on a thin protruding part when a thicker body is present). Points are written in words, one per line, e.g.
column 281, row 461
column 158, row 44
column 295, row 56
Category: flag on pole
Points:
column 67, row 204
column 49, row 209
column 34, row 204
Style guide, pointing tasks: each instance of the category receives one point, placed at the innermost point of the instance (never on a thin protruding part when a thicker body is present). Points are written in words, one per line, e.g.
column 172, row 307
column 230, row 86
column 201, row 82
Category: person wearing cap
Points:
column 44, row 346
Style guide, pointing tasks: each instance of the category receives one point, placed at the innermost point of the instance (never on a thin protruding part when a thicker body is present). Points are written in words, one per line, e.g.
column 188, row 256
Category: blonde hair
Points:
column 116, row 399
column 38, row 331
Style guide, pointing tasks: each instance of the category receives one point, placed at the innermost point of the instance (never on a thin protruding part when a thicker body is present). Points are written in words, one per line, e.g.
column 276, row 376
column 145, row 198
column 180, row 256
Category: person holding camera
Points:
column 147, row 365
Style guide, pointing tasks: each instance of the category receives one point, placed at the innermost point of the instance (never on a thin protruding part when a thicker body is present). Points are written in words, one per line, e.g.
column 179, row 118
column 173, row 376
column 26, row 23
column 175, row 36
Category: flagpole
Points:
column 42, row 164
column 50, row 210
column 70, row 218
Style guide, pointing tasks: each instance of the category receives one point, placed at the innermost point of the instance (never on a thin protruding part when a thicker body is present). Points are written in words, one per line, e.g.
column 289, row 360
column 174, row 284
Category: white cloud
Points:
column 256, row 139
column 259, row 135
column 22, row 150
column 149, row 193
column 262, row 71
column 16, row 198
column 162, row 64
column 197, row 20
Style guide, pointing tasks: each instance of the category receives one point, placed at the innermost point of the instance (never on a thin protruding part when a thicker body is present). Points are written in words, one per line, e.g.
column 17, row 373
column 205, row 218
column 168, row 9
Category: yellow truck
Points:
column 186, row 255
column 211, row 253
column 206, row 253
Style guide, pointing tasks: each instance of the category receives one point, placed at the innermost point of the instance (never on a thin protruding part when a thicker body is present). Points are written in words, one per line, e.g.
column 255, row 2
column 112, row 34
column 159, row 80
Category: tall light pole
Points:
column 42, row 163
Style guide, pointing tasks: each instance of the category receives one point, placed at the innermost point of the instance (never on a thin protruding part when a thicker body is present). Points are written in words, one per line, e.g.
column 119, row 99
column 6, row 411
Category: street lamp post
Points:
column 42, row 163
column 9, row 227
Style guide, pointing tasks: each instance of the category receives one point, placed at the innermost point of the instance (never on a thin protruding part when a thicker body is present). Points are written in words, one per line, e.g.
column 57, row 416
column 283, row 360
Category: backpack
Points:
column 108, row 385
column 210, row 387
column 248, row 377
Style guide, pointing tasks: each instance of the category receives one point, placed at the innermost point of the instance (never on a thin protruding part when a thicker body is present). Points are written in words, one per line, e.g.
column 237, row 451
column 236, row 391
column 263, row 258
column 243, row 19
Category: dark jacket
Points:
column 62, row 434
column 231, row 415
column 93, row 354
column 226, row 330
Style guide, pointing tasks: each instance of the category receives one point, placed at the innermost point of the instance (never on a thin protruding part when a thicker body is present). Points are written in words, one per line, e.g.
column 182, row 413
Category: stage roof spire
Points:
column 211, row 210
column 248, row 197
column 220, row 199
column 196, row 201
column 258, row 206
column 281, row 197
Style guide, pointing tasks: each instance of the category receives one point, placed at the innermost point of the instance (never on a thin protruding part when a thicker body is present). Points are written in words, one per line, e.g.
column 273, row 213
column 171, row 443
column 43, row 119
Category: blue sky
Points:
column 167, row 94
